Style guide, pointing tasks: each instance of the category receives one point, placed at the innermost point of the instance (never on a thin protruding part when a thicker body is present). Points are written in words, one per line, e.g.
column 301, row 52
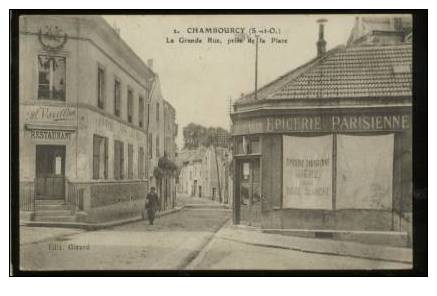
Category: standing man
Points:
column 151, row 205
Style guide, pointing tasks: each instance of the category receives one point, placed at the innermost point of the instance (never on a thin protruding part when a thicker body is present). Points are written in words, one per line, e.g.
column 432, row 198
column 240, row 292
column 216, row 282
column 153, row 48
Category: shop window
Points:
column 117, row 97
column 129, row 105
column 141, row 111
column 100, row 157
column 118, row 160
column 100, row 87
column 130, row 156
column 245, row 172
column 248, row 145
column 51, row 77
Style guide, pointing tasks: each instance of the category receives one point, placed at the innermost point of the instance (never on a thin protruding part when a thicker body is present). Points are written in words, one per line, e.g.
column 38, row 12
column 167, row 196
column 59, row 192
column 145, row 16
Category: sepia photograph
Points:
column 215, row 142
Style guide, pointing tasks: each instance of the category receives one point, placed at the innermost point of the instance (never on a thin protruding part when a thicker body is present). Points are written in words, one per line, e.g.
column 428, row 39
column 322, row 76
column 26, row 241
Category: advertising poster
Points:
column 307, row 171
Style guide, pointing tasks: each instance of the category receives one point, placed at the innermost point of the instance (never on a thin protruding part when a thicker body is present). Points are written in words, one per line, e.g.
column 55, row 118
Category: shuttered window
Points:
column 140, row 164
column 118, row 160
column 130, row 155
column 100, row 88
column 100, row 157
column 117, row 97
column 141, row 111
column 130, row 105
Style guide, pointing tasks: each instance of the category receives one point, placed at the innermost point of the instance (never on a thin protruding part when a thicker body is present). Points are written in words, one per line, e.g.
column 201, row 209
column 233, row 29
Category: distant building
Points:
column 328, row 146
column 83, row 120
column 204, row 175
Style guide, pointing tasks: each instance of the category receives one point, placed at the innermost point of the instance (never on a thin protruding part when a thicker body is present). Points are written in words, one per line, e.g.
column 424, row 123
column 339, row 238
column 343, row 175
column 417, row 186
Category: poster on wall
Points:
column 364, row 172
column 307, row 172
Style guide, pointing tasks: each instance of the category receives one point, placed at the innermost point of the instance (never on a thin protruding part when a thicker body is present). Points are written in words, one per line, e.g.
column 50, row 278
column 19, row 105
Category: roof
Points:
column 346, row 72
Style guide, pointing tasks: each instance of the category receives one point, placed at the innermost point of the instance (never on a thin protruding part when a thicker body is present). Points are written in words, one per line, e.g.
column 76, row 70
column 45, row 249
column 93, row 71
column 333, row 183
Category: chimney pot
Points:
column 321, row 43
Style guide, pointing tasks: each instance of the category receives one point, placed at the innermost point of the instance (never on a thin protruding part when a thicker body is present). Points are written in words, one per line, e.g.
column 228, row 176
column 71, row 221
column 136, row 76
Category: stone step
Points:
column 49, row 202
column 46, row 207
column 53, row 212
column 70, row 218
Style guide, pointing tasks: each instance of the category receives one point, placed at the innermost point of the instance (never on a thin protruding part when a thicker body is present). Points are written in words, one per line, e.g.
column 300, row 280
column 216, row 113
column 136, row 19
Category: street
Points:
column 188, row 239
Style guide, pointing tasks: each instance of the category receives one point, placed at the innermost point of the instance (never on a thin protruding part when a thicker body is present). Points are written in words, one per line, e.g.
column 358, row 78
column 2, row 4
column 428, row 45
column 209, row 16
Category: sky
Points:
column 200, row 79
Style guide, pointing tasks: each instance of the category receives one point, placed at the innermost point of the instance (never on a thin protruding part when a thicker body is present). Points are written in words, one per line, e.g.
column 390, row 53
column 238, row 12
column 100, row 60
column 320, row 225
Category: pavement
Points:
column 198, row 236
column 242, row 247
column 171, row 243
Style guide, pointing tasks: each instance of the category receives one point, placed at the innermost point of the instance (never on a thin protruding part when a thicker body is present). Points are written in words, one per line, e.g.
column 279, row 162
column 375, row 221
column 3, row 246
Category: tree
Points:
column 196, row 135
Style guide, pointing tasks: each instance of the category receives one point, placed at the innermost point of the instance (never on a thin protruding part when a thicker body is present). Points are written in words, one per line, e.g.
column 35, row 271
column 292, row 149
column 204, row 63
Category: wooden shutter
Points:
column 96, row 150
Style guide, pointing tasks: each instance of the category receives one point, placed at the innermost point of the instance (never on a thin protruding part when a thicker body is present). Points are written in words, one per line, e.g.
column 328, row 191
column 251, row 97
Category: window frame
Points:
column 130, row 104
column 101, row 87
column 117, row 103
column 63, row 55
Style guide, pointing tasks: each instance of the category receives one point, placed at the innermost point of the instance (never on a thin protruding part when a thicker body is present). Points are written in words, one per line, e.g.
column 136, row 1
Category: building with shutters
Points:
column 327, row 147
column 85, row 106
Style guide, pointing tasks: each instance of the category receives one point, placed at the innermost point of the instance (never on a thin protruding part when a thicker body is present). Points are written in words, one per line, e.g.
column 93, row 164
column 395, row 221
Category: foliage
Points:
column 196, row 135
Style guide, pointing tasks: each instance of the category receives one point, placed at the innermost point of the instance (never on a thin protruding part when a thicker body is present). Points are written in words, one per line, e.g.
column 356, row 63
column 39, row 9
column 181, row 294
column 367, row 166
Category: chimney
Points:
column 321, row 43
column 150, row 63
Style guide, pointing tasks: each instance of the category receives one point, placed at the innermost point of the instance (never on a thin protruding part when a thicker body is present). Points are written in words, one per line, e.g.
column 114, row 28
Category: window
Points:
column 150, row 148
column 157, row 112
column 148, row 114
column 118, row 160
column 51, row 77
column 100, row 88
column 129, row 105
column 157, row 146
column 130, row 155
column 117, row 98
column 140, row 164
column 141, row 111
column 100, row 157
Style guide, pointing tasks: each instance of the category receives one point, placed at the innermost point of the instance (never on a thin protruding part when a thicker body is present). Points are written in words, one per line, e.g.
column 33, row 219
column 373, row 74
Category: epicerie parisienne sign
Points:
column 330, row 123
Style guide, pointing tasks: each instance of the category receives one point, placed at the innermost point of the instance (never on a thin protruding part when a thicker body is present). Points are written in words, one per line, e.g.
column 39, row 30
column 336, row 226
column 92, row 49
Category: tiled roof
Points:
column 362, row 71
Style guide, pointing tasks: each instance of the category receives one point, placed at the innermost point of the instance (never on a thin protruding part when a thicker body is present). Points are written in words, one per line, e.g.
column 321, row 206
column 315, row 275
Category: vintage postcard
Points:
column 215, row 142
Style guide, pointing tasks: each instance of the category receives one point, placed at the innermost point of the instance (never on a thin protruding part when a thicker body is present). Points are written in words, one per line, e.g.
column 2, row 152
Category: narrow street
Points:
column 193, row 238
column 171, row 243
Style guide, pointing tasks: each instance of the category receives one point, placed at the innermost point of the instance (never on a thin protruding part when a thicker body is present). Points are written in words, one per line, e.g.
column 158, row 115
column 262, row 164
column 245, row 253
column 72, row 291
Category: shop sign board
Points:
column 323, row 123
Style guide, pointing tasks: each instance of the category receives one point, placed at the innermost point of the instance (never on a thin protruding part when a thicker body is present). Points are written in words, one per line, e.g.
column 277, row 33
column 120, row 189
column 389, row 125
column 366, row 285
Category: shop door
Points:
column 249, row 192
column 50, row 172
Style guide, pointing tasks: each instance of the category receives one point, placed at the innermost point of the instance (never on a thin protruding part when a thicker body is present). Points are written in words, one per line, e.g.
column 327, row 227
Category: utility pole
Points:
column 256, row 68
column 217, row 166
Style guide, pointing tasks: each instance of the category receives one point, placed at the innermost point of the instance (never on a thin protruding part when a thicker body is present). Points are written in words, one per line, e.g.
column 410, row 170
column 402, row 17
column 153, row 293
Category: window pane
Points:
column 117, row 98
column 100, row 87
column 130, row 161
column 129, row 105
column 51, row 77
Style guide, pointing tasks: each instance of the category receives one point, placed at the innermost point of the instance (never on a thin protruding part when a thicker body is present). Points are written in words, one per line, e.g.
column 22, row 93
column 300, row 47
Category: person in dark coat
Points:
column 151, row 205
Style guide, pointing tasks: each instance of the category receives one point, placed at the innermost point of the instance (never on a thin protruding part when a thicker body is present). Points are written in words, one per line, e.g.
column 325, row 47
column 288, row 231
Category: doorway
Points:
column 50, row 172
column 248, row 192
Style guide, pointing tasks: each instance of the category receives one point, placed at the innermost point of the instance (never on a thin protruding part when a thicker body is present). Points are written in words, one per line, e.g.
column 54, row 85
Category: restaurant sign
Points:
column 318, row 123
column 50, row 134
column 50, row 114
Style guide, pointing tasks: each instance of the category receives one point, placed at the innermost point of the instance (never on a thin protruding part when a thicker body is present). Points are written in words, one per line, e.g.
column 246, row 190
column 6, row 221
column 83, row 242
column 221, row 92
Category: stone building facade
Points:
column 328, row 146
column 86, row 104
